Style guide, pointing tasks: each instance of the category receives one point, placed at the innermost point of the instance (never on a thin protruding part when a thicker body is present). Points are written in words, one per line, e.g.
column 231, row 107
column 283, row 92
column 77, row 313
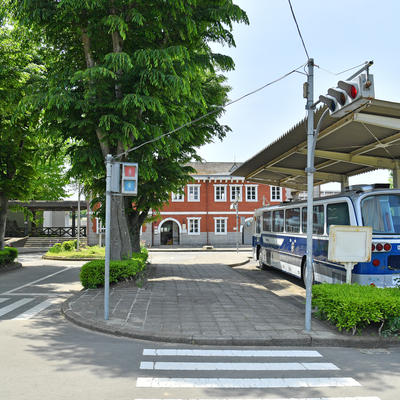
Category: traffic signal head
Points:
column 330, row 101
column 349, row 95
column 351, row 88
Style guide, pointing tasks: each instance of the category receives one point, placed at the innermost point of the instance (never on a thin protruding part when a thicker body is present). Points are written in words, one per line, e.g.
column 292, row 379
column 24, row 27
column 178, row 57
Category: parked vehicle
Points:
column 280, row 235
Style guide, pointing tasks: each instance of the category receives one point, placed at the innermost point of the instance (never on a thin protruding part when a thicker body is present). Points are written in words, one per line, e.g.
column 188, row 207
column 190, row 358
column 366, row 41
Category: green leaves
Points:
column 121, row 73
column 353, row 307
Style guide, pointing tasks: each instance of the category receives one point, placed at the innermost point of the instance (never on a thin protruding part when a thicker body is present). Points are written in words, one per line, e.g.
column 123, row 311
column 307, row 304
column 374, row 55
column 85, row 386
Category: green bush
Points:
column 353, row 307
column 92, row 273
column 8, row 255
column 56, row 248
column 70, row 245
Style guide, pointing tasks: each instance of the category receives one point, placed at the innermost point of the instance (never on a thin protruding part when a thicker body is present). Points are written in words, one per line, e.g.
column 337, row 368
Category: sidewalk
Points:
column 204, row 301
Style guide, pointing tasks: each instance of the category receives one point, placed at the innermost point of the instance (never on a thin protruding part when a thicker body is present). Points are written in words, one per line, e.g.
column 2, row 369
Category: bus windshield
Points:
column 382, row 212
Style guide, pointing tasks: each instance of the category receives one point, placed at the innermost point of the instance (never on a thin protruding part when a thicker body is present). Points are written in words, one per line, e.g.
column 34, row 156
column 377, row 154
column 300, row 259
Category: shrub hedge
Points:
column 8, row 255
column 353, row 307
column 92, row 273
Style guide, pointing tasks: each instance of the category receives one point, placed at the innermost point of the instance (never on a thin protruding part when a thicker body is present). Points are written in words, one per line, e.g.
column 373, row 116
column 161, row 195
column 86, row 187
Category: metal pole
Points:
column 79, row 215
column 108, row 238
column 237, row 224
column 310, row 189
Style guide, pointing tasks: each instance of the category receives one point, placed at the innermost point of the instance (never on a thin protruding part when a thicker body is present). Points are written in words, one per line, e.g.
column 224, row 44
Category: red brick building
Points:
column 204, row 213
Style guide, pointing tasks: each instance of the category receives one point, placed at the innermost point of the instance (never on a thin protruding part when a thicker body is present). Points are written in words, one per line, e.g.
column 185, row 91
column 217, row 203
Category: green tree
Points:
column 28, row 167
column 122, row 73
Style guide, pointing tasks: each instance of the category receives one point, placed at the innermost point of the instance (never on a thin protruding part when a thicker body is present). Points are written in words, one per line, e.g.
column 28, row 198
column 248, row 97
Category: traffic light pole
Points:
column 108, row 238
column 310, row 190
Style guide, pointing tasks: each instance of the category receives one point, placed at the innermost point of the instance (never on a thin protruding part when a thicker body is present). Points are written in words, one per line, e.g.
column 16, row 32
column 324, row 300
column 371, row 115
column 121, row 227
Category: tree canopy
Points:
column 29, row 166
column 120, row 73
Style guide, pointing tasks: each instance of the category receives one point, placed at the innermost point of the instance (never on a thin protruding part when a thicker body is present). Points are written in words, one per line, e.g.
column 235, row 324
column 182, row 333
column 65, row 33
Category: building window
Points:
column 193, row 192
column 251, row 193
column 276, row 193
column 177, row 197
column 220, row 192
column 236, row 192
column 220, row 226
column 193, row 226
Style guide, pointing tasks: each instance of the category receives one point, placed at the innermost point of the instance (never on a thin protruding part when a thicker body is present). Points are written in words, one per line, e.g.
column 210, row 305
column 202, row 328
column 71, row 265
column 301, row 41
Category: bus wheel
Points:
column 261, row 258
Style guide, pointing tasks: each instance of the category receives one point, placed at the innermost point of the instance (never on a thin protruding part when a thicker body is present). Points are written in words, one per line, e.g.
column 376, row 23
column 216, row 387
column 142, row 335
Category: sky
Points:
column 338, row 35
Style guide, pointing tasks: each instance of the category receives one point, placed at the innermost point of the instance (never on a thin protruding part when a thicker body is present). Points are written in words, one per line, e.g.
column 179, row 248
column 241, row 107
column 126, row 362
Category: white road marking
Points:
column 35, row 310
column 231, row 353
column 193, row 366
column 13, row 306
column 146, row 382
column 291, row 398
column 3, row 300
column 38, row 280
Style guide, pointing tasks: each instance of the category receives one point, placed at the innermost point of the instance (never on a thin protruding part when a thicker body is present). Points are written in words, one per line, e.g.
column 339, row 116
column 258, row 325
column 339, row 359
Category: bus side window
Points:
column 292, row 220
column 318, row 219
column 258, row 224
column 337, row 214
column 278, row 220
column 267, row 221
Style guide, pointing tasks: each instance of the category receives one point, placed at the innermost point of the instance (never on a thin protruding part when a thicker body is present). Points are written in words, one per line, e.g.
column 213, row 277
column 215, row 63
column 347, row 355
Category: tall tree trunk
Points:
column 120, row 240
column 121, row 247
column 135, row 221
column 3, row 218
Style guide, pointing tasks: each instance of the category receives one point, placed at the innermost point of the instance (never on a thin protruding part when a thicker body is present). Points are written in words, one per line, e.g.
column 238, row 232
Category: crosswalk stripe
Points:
column 2, row 300
column 231, row 353
column 188, row 366
column 14, row 306
column 34, row 310
column 291, row 398
column 146, row 382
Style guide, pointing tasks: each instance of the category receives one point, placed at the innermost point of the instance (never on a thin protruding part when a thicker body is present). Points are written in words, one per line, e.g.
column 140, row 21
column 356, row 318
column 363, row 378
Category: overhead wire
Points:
column 218, row 108
column 342, row 72
column 298, row 29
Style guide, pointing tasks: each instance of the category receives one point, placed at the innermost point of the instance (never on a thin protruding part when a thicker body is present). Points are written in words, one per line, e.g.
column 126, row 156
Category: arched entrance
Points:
column 169, row 231
column 247, row 231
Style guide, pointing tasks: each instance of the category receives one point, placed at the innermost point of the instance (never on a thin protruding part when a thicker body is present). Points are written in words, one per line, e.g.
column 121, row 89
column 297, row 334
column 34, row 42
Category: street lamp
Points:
column 235, row 206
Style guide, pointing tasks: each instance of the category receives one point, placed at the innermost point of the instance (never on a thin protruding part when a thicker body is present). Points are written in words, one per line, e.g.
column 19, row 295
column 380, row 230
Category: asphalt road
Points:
column 45, row 357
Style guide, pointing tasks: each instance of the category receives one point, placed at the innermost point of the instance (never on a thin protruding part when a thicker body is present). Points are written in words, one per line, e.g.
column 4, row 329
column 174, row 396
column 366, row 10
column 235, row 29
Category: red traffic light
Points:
column 353, row 92
column 350, row 87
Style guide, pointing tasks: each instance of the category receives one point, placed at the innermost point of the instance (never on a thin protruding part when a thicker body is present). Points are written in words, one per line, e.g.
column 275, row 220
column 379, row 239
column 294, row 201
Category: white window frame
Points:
column 252, row 187
column 178, row 197
column 223, row 192
column 225, row 225
column 190, row 196
column 232, row 192
column 274, row 196
column 190, row 221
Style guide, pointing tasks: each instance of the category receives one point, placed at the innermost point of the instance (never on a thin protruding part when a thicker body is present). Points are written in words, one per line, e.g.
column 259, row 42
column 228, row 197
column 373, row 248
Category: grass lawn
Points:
column 94, row 252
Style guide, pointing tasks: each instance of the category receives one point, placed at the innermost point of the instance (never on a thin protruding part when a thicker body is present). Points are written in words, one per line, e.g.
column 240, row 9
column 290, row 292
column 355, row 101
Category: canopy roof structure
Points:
column 362, row 141
column 44, row 205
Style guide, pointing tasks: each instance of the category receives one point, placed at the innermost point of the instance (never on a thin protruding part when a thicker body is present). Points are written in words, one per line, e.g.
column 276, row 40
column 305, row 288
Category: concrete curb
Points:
column 10, row 267
column 315, row 339
column 55, row 258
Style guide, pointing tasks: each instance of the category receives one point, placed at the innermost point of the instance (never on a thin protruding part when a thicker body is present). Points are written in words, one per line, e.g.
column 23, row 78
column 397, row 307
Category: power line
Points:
column 218, row 108
column 342, row 72
column 298, row 30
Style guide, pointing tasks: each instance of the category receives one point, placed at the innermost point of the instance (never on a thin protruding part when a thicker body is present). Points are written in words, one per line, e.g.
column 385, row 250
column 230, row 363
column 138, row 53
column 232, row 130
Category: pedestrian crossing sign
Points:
column 129, row 178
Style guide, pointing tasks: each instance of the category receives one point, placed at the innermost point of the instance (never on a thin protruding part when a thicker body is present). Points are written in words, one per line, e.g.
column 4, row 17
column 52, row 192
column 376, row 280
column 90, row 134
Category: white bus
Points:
column 280, row 236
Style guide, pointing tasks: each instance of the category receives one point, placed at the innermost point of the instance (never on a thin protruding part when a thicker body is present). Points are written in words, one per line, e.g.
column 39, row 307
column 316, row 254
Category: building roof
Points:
column 57, row 205
column 214, row 168
column 364, row 140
